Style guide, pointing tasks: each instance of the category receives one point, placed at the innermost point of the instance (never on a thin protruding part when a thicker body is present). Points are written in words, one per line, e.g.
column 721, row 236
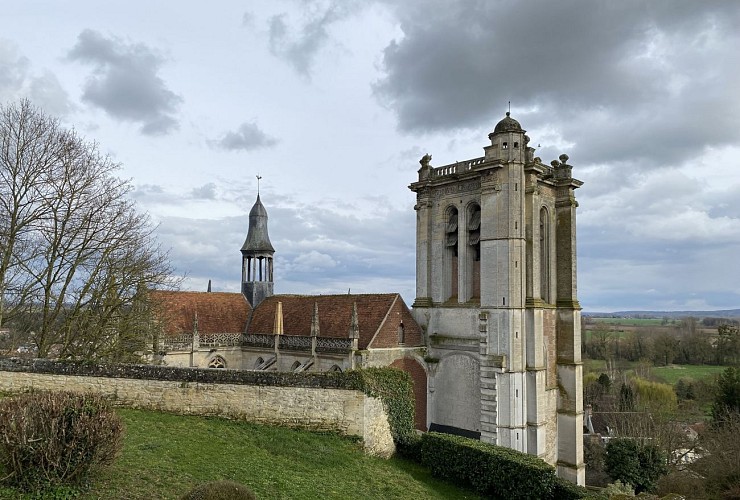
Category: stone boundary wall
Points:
column 315, row 401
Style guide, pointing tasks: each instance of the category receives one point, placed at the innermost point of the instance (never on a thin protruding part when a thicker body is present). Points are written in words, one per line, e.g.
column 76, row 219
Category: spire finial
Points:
column 258, row 184
column 509, row 112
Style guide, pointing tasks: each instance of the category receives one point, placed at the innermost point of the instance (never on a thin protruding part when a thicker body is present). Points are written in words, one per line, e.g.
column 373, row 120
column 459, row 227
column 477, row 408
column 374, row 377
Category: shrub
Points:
column 636, row 463
column 490, row 470
column 655, row 395
column 565, row 490
column 220, row 490
column 618, row 488
column 55, row 438
column 727, row 399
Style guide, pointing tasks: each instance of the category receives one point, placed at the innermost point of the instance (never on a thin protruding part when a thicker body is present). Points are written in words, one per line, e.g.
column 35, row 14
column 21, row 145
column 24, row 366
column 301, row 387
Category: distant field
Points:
column 670, row 374
column 629, row 321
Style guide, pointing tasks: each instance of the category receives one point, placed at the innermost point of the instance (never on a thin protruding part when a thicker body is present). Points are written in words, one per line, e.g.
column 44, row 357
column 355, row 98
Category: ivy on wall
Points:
column 392, row 386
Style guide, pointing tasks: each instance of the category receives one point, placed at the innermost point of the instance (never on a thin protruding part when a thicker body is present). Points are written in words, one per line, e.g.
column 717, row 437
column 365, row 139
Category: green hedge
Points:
column 492, row 471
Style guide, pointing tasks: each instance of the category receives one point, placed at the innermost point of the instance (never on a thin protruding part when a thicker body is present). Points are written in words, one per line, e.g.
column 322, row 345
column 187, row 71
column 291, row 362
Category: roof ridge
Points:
column 334, row 294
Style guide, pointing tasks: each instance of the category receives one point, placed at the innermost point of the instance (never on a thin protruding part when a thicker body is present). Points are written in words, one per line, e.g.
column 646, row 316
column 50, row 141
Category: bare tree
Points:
column 76, row 255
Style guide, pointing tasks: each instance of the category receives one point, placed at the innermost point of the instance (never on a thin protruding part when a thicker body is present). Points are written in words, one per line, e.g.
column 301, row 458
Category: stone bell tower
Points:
column 496, row 294
column 257, row 254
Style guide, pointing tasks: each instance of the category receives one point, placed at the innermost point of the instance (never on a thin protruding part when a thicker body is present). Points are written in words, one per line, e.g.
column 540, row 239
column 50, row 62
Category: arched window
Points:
column 474, row 221
column 335, row 368
column 451, row 242
column 295, row 366
column 260, row 361
column 544, row 255
column 217, row 362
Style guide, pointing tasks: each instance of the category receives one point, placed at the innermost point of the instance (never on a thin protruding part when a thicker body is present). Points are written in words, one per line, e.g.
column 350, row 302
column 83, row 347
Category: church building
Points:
column 492, row 341
column 496, row 297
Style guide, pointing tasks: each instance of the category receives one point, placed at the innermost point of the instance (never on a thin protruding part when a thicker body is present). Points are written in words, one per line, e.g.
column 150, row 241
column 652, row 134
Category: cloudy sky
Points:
column 334, row 102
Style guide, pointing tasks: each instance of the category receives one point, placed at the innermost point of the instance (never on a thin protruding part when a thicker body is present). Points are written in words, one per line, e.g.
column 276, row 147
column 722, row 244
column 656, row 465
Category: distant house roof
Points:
column 217, row 312
column 617, row 424
column 379, row 317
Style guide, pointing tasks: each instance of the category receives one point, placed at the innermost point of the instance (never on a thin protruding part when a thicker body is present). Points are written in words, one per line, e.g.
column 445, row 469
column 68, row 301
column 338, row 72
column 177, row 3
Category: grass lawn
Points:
column 671, row 373
column 165, row 455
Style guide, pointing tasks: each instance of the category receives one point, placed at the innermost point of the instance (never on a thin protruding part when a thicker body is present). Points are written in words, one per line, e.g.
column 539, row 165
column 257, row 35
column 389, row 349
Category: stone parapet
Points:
column 296, row 400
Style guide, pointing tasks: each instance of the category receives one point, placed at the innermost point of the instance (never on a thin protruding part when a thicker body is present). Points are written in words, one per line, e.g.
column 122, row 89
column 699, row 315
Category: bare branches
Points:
column 74, row 253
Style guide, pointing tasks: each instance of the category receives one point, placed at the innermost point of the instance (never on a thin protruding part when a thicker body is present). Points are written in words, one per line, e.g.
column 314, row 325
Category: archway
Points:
column 419, row 381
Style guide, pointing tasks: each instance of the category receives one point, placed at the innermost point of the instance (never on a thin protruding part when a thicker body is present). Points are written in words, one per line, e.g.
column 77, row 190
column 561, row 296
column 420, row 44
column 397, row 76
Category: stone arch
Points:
column 217, row 362
column 335, row 368
column 457, row 405
column 419, row 381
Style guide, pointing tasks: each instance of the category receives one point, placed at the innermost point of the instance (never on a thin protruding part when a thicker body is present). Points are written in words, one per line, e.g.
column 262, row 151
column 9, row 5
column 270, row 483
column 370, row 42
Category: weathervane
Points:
column 258, row 184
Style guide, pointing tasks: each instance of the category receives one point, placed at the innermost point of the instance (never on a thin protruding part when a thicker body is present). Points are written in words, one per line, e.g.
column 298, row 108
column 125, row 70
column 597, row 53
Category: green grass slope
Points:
column 166, row 455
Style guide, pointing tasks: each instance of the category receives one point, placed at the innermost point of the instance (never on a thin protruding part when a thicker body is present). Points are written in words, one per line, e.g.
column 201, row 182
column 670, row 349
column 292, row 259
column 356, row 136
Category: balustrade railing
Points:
column 457, row 167
column 184, row 342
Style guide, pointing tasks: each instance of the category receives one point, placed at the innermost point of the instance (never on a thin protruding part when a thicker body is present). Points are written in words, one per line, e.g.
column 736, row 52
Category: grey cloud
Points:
column 617, row 71
column 125, row 82
column 13, row 70
column 17, row 80
column 204, row 192
column 300, row 46
column 47, row 92
column 247, row 137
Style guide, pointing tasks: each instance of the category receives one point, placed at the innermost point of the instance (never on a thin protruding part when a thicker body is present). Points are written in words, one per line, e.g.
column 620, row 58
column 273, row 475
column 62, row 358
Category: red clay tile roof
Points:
column 218, row 312
column 378, row 317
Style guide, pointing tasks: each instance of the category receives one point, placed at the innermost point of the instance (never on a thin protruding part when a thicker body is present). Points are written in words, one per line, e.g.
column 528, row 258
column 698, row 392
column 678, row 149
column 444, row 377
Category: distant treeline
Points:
column 725, row 313
column 685, row 342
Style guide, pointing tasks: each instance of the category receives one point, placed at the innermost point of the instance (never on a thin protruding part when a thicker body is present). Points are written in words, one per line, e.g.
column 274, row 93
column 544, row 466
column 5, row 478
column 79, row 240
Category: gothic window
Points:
column 217, row 362
column 258, row 363
column 451, row 230
column 544, row 255
column 295, row 366
column 474, row 216
column 401, row 334
column 474, row 231
column 451, row 242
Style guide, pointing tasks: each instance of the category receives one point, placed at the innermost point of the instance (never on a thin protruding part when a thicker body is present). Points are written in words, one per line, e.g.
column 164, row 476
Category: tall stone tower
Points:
column 257, row 252
column 496, row 295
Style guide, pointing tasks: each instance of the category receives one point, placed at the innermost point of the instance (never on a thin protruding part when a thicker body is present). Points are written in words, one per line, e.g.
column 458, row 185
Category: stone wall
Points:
column 311, row 401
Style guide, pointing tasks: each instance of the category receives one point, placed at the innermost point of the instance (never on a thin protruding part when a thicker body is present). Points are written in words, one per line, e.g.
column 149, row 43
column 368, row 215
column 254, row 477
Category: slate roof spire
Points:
column 258, row 240
column 257, row 257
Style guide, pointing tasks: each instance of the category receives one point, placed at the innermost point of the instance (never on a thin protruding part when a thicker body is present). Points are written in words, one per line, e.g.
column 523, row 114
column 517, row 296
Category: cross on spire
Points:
column 258, row 184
